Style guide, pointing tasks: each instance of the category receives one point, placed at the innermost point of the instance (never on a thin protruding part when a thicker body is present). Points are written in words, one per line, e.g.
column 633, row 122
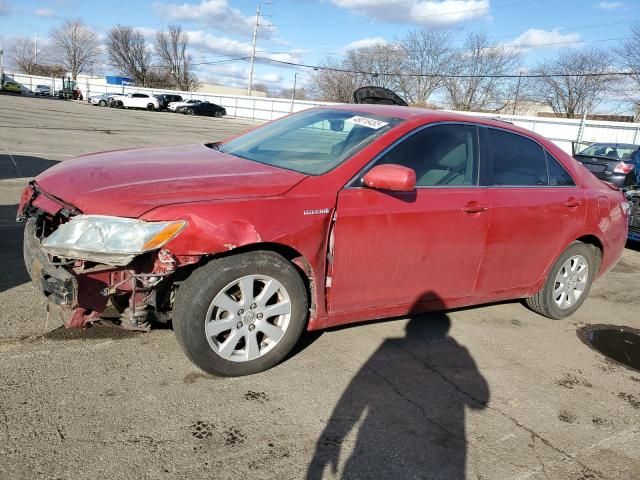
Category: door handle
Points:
column 572, row 203
column 474, row 207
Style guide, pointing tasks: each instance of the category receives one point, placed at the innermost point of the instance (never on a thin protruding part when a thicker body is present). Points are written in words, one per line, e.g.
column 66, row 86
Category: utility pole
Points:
column 253, row 50
column 293, row 95
column 1, row 63
column 35, row 49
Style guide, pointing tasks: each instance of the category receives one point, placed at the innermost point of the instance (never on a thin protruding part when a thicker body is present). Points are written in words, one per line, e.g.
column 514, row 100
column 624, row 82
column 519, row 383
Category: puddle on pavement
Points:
column 91, row 333
column 621, row 344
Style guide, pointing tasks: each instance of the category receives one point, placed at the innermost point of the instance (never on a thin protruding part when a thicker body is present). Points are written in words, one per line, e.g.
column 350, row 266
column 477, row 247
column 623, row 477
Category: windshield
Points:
column 613, row 151
column 311, row 142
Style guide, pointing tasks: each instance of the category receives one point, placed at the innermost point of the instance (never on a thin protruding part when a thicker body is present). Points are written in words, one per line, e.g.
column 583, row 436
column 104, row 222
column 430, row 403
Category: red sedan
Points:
column 326, row 217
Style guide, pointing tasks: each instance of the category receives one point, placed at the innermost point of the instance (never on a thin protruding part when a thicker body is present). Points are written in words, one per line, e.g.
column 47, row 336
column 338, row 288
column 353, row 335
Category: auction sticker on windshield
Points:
column 367, row 122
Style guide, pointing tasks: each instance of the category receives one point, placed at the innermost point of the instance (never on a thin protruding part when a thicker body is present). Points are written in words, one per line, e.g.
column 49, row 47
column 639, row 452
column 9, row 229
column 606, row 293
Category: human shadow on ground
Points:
column 407, row 404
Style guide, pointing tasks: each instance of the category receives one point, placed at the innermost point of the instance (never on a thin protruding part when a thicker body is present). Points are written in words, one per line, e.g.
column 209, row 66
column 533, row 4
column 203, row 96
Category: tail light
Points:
column 623, row 167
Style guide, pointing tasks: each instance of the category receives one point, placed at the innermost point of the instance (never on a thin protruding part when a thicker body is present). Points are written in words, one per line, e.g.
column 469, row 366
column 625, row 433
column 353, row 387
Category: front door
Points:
column 402, row 248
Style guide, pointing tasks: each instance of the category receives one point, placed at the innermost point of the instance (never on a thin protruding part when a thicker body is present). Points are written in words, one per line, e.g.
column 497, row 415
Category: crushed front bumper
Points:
column 57, row 283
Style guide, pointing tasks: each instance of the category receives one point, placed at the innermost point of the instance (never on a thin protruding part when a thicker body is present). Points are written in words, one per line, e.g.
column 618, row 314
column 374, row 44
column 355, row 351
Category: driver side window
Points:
column 441, row 155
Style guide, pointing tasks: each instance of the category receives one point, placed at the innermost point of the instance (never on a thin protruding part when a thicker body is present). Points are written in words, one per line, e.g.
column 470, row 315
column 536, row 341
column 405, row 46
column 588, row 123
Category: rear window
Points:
column 515, row 160
column 613, row 151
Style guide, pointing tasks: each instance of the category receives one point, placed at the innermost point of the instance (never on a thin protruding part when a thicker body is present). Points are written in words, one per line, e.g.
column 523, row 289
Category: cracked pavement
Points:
column 493, row 392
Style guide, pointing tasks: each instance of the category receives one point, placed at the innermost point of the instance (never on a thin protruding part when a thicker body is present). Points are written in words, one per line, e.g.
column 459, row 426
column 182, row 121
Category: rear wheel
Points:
column 567, row 284
column 241, row 314
column 151, row 107
column 218, row 114
column 188, row 111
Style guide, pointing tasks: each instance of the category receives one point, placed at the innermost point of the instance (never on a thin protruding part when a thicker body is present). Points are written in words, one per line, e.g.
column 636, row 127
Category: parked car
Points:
column 329, row 216
column 618, row 163
column 203, row 108
column 11, row 86
column 165, row 99
column 173, row 106
column 136, row 100
column 103, row 100
column 633, row 196
column 43, row 90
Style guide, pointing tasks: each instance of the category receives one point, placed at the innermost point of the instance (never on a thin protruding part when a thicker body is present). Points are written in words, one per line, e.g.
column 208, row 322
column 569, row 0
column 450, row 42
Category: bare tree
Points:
column 425, row 52
column 171, row 49
column 575, row 82
column 24, row 55
column 76, row 46
column 377, row 65
column 128, row 52
column 629, row 54
column 475, row 81
column 332, row 84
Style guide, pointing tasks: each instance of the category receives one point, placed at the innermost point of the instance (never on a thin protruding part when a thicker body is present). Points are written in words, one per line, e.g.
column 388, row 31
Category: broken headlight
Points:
column 109, row 240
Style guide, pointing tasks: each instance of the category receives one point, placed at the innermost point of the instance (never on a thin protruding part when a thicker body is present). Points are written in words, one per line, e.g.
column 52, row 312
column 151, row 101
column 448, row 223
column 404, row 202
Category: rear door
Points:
column 536, row 210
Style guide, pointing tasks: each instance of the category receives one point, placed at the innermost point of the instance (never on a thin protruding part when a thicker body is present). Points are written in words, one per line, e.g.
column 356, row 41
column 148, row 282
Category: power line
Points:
column 427, row 75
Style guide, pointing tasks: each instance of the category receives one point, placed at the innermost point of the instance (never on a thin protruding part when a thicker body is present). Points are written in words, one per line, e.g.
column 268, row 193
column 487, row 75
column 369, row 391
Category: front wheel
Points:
column 102, row 103
column 241, row 314
column 188, row 111
column 567, row 284
column 151, row 107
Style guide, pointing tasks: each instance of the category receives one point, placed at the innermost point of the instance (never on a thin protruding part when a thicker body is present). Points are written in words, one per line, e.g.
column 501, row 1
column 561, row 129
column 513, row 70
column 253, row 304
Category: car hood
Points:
column 131, row 182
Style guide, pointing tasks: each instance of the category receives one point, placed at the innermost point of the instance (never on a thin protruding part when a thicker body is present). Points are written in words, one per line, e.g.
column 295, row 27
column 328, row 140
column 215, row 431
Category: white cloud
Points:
column 5, row 8
column 216, row 14
column 207, row 43
column 421, row 12
column 535, row 38
column 365, row 42
column 609, row 5
column 271, row 78
column 45, row 12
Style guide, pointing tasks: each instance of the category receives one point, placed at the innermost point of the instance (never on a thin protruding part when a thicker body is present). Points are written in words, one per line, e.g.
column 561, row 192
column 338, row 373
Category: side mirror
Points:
column 391, row 177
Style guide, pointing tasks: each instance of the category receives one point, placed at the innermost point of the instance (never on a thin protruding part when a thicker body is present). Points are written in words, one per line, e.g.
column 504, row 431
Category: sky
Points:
column 308, row 31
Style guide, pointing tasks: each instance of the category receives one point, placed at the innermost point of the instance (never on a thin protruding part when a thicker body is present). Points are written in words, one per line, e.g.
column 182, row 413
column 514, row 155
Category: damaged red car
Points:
column 329, row 216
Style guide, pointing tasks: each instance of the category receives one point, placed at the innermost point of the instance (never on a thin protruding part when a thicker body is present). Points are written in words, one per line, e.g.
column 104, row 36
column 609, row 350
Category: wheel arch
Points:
column 598, row 245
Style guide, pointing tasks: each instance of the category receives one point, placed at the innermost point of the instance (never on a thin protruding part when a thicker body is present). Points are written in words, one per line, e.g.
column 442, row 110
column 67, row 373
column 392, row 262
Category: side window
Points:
column 558, row 176
column 515, row 160
column 442, row 155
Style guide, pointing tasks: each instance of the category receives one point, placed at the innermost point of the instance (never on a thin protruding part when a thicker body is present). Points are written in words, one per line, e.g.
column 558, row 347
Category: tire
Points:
column 102, row 103
column 226, row 351
column 218, row 114
column 546, row 301
column 188, row 111
column 150, row 107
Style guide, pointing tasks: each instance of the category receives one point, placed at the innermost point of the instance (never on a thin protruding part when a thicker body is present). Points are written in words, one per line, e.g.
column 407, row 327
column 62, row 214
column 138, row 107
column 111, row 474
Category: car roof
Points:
column 614, row 145
column 431, row 116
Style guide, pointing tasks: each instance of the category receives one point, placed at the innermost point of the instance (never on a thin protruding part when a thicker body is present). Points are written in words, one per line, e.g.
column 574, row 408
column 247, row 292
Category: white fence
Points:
column 559, row 130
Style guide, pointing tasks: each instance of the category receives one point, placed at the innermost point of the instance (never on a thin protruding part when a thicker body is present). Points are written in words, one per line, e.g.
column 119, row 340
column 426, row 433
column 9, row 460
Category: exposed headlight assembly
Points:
column 109, row 240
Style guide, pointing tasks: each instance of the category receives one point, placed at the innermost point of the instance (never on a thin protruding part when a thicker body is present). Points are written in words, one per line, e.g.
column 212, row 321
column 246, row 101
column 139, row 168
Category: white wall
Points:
column 559, row 130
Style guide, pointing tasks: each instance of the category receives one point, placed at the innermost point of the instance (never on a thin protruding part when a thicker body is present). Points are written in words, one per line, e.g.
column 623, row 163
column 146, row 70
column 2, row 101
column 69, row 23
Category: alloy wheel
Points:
column 571, row 281
column 248, row 318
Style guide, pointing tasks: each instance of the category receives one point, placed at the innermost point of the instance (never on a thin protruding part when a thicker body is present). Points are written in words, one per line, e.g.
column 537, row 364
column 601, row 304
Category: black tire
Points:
column 543, row 301
column 150, row 107
column 197, row 292
column 188, row 111
column 218, row 114
column 102, row 103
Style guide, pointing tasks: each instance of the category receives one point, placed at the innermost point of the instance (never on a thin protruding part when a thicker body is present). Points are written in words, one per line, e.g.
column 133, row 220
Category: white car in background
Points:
column 136, row 100
column 174, row 105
